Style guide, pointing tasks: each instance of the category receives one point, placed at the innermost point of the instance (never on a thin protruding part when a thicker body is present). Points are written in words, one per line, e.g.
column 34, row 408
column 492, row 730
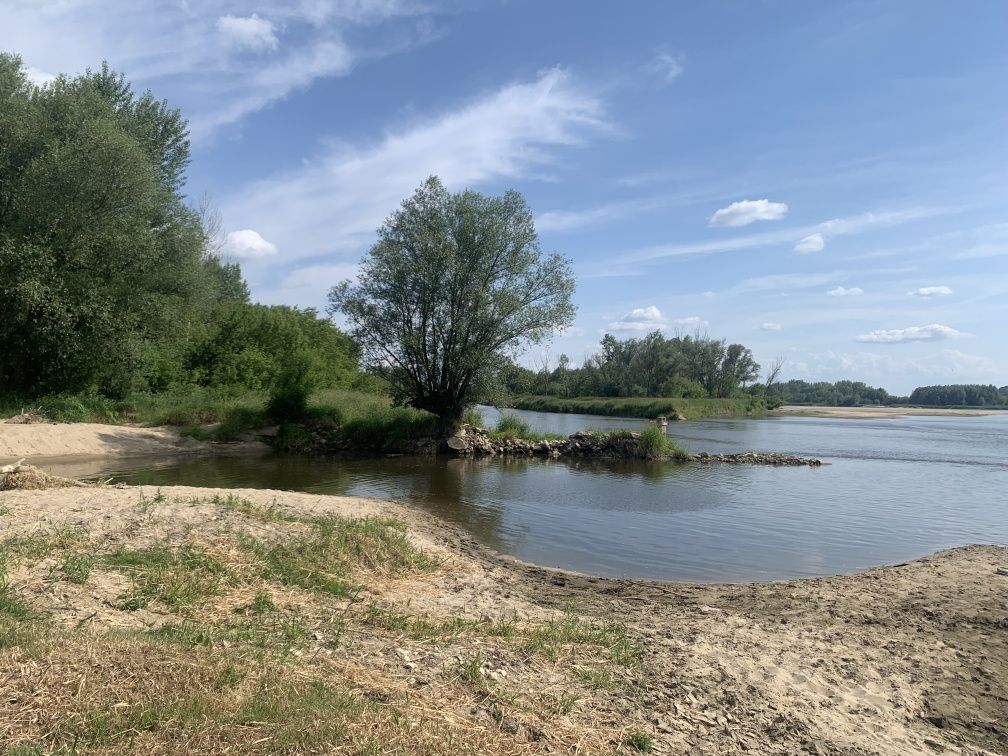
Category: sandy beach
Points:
column 875, row 413
column 35, row 441
column 124, row 609
column 904, row 659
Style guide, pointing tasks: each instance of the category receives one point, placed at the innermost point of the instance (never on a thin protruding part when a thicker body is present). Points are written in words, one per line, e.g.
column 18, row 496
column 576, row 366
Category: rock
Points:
column 458, row 442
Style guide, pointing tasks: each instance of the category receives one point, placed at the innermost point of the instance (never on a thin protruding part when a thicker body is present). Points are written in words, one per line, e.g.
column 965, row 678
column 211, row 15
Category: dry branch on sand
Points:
column 22, row 477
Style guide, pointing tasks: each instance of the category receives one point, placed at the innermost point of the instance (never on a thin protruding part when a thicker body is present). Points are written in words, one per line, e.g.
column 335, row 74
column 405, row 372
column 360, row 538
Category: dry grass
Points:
column 269, row 635
column 29, row 478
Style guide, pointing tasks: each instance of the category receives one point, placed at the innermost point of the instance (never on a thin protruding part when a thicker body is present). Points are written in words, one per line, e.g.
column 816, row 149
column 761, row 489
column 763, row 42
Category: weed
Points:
column 335, row 549
column 471, row 669
column 77, row 568
column 565, row 703
column 640, row 741
column 180, row 578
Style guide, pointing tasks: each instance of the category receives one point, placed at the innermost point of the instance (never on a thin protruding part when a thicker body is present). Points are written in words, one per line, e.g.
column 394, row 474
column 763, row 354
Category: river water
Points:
column 893, row 490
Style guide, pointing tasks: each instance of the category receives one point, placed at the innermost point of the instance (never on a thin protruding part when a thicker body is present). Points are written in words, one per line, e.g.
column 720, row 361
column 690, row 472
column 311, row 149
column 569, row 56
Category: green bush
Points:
column 288, row 400
column 654, row 444
column 512, row 426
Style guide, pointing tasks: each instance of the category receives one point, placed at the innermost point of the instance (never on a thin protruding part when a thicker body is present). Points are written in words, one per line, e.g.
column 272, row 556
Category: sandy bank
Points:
column 875, row 413
column 896, row 660
column 47, row 440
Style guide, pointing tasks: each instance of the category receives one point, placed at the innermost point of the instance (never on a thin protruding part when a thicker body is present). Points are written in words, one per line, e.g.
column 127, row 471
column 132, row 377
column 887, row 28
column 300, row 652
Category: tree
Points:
column 99, row 255
column 455, row 285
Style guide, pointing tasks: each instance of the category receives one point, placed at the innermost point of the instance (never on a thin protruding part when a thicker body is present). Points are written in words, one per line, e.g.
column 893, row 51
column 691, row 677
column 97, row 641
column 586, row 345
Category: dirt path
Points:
column 897, row 660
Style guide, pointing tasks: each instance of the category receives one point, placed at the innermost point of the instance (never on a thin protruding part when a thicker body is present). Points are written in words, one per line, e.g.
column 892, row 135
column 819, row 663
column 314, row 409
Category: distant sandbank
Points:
column 874, row 413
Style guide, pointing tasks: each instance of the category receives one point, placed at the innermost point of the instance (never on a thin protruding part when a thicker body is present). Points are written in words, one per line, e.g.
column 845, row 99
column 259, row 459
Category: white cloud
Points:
column 708, row 294
column 666, row 67
column 693, row 321
column 39, row 77
column 933, row 332
column 837, row 227
column 308, row 285
column 744, row 212
column 247, row 244
column 785, row 282
column 840, row 291
column 770, row 327
column 641, row 319
column 249, row 32
column 930, row 291
column 505, row 134
column 195, row 54
column 811, row 243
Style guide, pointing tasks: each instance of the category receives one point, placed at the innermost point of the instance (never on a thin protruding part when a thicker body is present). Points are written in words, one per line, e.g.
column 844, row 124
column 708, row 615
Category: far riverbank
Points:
column 878, row 413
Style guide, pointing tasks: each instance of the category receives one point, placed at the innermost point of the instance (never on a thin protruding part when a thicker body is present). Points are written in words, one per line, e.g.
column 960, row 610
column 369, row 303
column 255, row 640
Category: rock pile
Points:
column 478, row 442
column 756, row 458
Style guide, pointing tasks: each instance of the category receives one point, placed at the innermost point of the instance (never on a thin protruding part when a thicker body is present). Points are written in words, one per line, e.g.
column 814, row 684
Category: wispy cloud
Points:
column 251, row 32
column 857, row 224
column 933, row 332
column 811, row 243
column 744, row 212
column 840, row 291
column 666, row 67
column 503, row 135
column 930, row 291
column 211, row 58
column 770, row 327
column 786, row 281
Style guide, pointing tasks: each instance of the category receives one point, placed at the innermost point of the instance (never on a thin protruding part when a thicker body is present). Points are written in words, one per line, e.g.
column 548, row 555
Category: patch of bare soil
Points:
column 204, row 621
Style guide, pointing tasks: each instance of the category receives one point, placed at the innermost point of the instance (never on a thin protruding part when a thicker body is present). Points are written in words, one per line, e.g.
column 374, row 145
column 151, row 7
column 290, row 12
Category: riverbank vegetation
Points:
column 643, row 407
column 204, row 620
column 858, row 394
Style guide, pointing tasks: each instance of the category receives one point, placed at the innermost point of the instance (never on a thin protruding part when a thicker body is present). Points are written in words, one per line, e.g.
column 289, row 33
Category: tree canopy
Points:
column 109, row 281
column 653, row 365
column 454, row 286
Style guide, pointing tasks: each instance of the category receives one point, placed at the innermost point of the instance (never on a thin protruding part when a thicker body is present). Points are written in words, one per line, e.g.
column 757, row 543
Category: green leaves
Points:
column 454, row 285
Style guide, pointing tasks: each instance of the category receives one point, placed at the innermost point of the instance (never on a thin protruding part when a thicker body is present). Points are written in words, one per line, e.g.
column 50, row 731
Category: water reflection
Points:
column 894, row 491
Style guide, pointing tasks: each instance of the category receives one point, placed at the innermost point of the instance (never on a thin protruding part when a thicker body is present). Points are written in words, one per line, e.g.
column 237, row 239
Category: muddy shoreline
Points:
column 910, row 658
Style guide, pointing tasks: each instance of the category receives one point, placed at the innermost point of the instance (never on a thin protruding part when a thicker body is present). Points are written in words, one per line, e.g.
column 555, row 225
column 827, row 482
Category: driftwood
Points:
column 18, row 466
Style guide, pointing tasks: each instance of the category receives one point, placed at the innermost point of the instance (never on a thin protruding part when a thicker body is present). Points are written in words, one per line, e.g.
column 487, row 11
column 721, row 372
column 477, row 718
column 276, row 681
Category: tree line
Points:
column 109, row 281
column 858, row 394
column 654, row 365
column 967, row 395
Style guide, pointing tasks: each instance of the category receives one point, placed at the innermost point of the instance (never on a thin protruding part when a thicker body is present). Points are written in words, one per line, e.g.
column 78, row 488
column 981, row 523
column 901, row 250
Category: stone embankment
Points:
column 478, row 442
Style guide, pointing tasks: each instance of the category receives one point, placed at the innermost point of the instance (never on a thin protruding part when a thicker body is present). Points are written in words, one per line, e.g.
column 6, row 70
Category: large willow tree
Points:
column 455, row 284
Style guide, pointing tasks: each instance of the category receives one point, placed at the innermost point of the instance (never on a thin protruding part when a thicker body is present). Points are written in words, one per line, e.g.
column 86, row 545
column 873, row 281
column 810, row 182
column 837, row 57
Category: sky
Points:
column 825, row 183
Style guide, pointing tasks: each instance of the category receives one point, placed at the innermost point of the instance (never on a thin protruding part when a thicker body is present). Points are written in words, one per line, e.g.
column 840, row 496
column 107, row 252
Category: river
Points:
column 892, row 490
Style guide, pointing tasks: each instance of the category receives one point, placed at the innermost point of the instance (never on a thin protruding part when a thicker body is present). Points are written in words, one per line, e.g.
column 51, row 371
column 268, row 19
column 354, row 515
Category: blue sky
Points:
column 825, row 182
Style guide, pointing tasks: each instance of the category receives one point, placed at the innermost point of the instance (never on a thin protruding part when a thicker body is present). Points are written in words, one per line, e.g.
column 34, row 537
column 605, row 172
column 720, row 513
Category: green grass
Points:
column 640, row 741
column 327, row 557
column 510, row 427
column 654, row 443
column 691, row 409
column 181, row 578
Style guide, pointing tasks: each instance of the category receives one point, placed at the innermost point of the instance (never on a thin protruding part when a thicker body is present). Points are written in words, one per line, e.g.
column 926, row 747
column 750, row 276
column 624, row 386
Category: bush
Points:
column 512, row 426
column 288, row 400
column 654, row 443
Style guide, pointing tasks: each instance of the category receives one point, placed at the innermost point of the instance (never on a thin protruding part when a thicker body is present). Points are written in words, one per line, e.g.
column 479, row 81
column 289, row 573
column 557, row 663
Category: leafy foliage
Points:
column 110, row 285
column 652, row 366
column 454, row 285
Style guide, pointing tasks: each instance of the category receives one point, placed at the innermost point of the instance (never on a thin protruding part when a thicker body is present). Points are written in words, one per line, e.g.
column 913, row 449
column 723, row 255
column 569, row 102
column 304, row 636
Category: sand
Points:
column 37, row 441
column 876, row 413
column 906, row 659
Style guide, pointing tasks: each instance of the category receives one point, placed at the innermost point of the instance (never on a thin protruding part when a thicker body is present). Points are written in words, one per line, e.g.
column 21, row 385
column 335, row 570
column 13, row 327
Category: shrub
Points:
column 288, row 400
column 512, row 426
column 653, row 443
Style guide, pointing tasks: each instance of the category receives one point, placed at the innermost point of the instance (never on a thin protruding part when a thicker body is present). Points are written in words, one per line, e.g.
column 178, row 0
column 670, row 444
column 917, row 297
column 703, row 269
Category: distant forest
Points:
column 697, row 366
